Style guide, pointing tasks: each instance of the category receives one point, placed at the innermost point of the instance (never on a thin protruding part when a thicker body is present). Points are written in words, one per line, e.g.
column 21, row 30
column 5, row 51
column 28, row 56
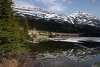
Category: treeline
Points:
column 50, row 25
column 96, row 34
column 55, row 26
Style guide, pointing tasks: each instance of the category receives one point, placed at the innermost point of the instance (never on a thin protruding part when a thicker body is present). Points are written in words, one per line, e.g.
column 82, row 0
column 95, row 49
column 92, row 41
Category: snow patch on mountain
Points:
column 75, row 18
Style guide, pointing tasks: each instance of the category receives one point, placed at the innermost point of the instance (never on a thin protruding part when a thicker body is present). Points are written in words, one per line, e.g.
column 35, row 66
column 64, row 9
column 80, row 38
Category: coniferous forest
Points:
column 12, row 35
column 55, row 26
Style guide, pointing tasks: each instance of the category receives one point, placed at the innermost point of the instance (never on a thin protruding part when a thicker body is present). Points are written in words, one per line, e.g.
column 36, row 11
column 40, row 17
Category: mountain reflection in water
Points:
column 67, row 54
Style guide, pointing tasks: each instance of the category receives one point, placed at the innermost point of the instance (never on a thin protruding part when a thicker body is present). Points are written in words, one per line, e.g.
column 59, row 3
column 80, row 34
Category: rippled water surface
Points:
column 68, row 52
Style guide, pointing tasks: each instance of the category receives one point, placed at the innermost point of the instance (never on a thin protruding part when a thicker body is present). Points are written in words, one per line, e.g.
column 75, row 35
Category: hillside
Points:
column 45, row 20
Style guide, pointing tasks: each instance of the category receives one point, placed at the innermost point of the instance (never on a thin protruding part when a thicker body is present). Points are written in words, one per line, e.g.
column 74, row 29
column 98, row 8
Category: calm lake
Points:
column 68, row 52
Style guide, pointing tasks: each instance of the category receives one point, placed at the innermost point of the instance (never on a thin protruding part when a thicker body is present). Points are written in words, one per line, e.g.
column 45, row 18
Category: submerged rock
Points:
column 97, row 64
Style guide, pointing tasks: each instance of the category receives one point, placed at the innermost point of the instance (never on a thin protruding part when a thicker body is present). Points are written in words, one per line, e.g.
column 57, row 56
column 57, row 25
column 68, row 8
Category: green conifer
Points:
column 11, row 36
column 25, row 25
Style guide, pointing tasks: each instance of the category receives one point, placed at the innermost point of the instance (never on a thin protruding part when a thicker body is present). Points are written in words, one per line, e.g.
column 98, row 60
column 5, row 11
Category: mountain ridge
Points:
column 78, row 18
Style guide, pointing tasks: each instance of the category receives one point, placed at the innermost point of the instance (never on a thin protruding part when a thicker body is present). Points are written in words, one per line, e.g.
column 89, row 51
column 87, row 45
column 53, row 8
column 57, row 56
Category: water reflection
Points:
column 78, row 54
column 64, row 54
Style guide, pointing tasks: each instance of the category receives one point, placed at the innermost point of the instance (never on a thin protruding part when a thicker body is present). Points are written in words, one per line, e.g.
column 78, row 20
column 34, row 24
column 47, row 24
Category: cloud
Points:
column 57, row 7
column 24, row 3
column 64, row 0
column 93, row 0
column 69, row 2
column 54, row 5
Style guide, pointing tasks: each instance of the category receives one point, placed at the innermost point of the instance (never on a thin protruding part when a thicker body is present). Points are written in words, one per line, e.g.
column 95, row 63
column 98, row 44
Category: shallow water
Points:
column 67, row 52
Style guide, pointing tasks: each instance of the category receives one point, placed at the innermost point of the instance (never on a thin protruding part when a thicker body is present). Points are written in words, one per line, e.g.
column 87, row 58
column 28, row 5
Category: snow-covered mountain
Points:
column 84, row 18
column 75, row 18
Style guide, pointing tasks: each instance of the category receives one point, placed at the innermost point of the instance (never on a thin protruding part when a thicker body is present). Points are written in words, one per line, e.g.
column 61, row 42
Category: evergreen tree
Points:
column 25, row 25
column 11, row 36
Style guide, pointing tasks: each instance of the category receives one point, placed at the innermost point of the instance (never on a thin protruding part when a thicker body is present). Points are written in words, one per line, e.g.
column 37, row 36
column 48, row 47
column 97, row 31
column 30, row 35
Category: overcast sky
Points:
column 64, row 6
